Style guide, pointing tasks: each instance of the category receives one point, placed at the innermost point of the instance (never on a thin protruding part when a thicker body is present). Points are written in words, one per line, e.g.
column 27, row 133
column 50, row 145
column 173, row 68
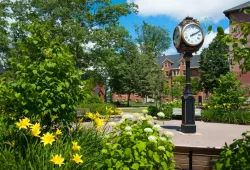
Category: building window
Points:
column 184, row 72
column 166, row 73
column 183, row 63
column 175, row 72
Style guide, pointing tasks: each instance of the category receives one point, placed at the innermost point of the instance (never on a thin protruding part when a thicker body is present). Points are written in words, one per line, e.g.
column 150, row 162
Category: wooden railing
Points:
column 195, row 158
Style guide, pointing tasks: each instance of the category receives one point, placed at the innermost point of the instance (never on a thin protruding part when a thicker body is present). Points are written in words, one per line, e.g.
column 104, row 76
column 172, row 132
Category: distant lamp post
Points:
column 188, row 37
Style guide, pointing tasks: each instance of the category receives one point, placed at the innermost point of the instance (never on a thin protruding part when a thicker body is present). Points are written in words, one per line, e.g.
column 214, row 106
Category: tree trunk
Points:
column 128, row 99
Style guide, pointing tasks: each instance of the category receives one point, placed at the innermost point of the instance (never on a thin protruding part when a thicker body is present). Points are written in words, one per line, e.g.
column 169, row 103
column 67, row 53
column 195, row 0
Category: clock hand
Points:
column 194, row 33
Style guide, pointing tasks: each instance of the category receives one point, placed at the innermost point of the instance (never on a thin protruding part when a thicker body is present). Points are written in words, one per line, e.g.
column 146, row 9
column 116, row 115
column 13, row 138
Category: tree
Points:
column 130, row 74
column 46, row 84
column 77, row 22
column 152, row 40
column 4, row 40
column 213, row 64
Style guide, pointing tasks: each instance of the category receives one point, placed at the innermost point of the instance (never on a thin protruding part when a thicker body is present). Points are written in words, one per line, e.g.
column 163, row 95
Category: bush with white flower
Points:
column 136, row 143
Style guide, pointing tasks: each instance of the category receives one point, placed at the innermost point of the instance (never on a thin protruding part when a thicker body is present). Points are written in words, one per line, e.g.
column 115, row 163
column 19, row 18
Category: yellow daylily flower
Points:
column 48, row 138
column 35, row 129
column 77, row 158
column 90, row 115
column 58, row 132
column 98, row 122
column 75, row 146
column 23, row 123
column 57, row 160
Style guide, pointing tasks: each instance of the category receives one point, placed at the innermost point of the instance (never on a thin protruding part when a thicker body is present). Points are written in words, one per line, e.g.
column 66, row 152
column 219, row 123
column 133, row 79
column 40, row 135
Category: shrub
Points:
column 20, row 149
column 137, row 144
column 152, row 110
column 229, row 91
column 93, row 98
column 235, row 156
column 101, row 108
column 217, row 115
column 45, row 85
column 167, row 108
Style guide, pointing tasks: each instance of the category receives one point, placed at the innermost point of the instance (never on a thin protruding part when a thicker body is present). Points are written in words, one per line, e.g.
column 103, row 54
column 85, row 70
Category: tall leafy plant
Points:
column 46, row 83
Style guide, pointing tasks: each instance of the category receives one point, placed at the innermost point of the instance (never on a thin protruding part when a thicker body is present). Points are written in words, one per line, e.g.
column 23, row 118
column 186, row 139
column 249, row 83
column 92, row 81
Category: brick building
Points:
column 237, row 14
column 174, row 65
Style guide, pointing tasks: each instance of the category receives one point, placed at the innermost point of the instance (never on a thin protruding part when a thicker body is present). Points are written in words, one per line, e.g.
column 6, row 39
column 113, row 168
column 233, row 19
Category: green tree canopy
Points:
column 152, row 40
column 213, row 64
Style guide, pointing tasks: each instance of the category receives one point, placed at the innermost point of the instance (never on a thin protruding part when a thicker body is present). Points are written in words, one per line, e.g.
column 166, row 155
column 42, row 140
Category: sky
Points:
column 169, row 13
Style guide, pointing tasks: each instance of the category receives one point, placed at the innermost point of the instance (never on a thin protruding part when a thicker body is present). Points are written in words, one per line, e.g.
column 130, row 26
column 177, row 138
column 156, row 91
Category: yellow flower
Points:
column 208, row 107
column 57, row 160
column 224, row 104
column 75, row 146
column 77, row 158
column 35, row 129
column 109, row 110
column 48, row 139
column 98, row 122
column 90, row 115
column 12, row 144
column 215, row 107
column 58, row 132
column 97, row 114
column 23, row 123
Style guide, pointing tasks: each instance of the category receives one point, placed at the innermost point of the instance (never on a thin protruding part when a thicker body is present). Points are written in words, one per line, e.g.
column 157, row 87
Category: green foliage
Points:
column 237, row 40
column 27, row 151
column 137, row 144
column 223, row 116
column 152, row 110
column 46, row 83
column 93, row 98
column 167, row 108
column 229, row 91
column 213, row 63
column 99, row 107
column 152, row 40
column 77, row 22
column 235, row 156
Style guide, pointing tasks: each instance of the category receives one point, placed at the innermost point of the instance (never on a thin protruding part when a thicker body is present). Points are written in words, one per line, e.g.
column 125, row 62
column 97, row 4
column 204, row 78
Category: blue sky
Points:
column 168, row 13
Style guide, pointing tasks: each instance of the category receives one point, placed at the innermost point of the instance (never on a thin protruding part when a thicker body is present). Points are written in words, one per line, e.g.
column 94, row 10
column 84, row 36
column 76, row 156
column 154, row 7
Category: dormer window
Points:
column 183, row 63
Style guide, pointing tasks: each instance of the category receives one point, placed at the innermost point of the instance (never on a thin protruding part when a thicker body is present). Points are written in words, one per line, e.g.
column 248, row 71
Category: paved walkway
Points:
column 208, row 134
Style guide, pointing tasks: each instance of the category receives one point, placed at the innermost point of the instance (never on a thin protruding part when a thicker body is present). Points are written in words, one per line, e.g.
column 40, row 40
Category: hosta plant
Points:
column 136, row 143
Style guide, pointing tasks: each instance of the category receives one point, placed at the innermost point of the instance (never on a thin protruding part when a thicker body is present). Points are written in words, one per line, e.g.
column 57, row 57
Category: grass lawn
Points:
column 133, row 109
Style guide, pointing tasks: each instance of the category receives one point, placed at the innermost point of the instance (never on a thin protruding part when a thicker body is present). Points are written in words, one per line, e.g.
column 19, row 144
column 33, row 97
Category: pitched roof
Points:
column 176, row 60
column 237, row 8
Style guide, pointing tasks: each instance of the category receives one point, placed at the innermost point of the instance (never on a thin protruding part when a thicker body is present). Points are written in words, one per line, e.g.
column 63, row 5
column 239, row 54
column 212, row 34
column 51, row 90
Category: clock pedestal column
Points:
column 188, row 109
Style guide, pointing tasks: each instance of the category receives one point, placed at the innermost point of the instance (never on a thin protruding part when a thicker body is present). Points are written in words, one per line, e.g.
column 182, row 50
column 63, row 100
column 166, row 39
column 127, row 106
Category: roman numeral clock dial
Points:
column 192, row 34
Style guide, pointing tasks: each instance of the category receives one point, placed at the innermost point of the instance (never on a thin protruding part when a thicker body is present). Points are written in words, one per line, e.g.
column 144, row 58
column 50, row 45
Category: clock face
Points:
column 177, row 36
column 192, row 34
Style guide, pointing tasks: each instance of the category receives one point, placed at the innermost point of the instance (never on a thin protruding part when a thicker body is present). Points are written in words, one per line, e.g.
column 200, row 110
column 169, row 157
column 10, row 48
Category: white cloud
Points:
column 171, row 51
column 179, row 9
column 226, row 30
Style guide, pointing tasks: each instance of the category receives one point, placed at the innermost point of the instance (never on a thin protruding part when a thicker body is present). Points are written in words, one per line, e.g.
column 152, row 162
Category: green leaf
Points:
column 63, row 106
column 135, row 166
column 127, row 153
column 59, row 88
column 164, row 166
column 34, row 71
column 156, row 157
column 141, row 146
column 209, row 29
column 220, row 31
column 17, row 95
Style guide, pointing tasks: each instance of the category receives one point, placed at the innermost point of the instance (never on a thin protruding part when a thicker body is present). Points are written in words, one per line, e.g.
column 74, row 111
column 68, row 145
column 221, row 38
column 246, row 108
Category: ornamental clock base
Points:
column 188, row 110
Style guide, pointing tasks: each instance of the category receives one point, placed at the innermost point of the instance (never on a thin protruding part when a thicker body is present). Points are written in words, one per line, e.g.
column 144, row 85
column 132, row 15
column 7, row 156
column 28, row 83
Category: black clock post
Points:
column 188, row 100
column 186, row 43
